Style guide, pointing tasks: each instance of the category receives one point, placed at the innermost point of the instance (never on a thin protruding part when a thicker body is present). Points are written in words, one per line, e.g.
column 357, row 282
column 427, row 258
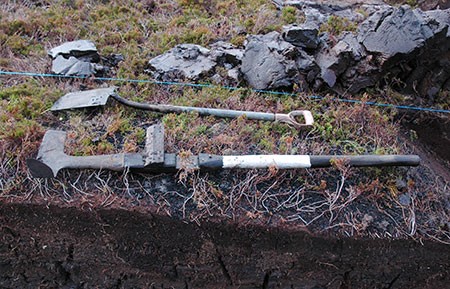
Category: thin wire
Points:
column 202, row 85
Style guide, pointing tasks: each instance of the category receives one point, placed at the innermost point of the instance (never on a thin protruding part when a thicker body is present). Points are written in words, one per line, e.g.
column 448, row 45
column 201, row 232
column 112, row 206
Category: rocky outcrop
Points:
column 397, row 33
column 410, row 45
column 405, row 44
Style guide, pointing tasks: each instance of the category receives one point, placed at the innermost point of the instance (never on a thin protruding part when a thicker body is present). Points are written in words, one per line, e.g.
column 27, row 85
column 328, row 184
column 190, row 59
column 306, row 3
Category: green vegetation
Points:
column 291, row 15
column 335, row 25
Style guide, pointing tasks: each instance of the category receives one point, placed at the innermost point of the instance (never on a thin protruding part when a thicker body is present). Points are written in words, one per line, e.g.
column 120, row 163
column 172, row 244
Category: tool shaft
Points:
column 289, row 118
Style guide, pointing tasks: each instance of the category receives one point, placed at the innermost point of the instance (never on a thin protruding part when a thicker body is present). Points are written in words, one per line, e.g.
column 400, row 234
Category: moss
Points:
column 200, row 35
column 289, row 14
column 27, row 100
column 19, row 130
column 238, row 40
column 19, row 45
column 336, row 25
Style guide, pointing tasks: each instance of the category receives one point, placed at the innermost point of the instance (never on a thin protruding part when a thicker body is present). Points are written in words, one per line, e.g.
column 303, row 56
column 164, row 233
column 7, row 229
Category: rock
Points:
column 113, row 59
column 217, row 79
column 440, row 19
column 404, row 34
column 71, row 66
column 234, row 74
column 80, row 58
column 404, row 199
column 190, row 61
column 429, row 73
column 184, row 61
column 397, row 32
column 269, row 62
column 226, row 54
column 302, row 35
column 307, row 71
column 326, row 6
column 335, row 61
column 401, row 184
column 371, row 9
column 305, row 62
column 84, row 49
column 345, row 62
column 313, row 15
column 350, row 14
column 349, row 47
column 388, row 37
column 330, row 63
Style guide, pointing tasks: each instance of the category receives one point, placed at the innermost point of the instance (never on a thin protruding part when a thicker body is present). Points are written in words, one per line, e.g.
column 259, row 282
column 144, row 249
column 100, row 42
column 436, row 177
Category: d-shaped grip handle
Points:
column 291, row 118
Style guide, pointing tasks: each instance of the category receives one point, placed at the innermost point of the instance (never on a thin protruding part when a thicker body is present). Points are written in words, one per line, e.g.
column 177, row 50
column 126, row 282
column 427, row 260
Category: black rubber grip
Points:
column 366, row 160
column 210, row 161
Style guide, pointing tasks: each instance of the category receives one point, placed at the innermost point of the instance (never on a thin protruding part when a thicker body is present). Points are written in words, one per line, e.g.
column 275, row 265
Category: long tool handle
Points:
column 289, row 118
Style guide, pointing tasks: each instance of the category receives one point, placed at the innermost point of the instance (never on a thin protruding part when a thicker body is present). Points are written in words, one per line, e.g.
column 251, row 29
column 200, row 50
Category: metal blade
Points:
column 80, row 99
column 39, row 169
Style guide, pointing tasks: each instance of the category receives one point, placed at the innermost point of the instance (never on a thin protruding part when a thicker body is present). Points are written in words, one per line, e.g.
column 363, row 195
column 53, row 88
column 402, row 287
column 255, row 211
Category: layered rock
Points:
column 269, row 62
column 304, row 35
column 80, row 58
column 192, row 62
column 410, row 45
column 407, row 45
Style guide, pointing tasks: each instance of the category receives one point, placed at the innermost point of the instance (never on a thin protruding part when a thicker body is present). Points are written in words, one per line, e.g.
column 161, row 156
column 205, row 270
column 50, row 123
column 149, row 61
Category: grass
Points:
column 143, row 29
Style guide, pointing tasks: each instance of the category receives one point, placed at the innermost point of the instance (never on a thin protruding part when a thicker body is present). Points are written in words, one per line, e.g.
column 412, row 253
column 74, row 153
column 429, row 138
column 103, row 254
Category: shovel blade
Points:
column 81, row 99
column 39, row 169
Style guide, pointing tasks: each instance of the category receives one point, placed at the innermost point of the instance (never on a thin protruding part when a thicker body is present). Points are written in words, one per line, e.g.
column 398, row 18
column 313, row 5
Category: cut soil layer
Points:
column 433, row 141
column 49, row 246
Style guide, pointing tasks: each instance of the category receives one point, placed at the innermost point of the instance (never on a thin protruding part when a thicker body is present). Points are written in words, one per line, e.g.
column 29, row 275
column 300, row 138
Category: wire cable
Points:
column 202, row 85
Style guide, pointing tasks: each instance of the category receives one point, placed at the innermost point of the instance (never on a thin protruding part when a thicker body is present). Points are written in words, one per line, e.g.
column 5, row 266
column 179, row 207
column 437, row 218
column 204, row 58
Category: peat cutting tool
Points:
column 52, row 158
column 100, row 96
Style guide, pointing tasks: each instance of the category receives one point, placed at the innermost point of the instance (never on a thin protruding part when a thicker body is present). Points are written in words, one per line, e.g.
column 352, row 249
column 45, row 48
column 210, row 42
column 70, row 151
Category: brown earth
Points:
column 65, row 247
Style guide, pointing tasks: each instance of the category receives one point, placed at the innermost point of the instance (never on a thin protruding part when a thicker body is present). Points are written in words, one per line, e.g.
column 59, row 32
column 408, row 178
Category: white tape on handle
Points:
column 266, row 161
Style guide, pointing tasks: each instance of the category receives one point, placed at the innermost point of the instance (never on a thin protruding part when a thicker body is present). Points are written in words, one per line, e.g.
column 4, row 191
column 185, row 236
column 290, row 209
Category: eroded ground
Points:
column 50, row 247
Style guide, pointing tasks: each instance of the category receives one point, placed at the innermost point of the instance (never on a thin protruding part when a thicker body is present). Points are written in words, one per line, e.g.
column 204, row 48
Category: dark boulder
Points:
column 408, row 45
column 398, row 32
column 269, row 62
column 302, row 35
column 334, row 61
column 411, row 46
